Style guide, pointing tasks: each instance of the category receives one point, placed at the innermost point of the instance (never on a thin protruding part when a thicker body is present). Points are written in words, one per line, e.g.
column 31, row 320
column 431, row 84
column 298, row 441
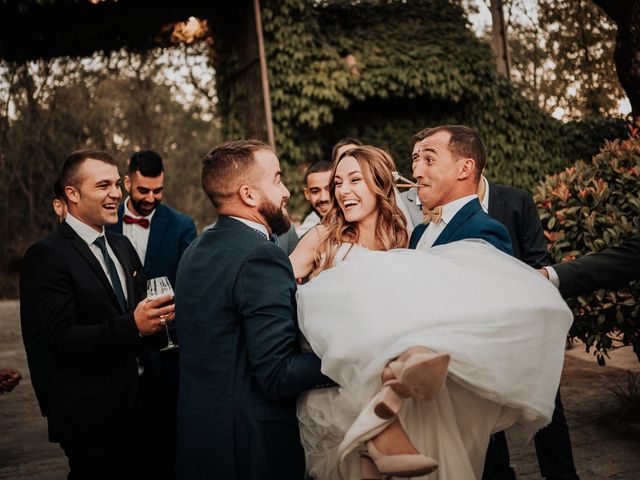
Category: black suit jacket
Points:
column 611, row 268
column 80, row 346
column 240, row 367
column 515, row 209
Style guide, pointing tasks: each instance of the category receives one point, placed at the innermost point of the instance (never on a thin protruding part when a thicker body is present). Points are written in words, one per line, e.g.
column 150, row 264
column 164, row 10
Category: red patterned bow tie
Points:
column 143, row 222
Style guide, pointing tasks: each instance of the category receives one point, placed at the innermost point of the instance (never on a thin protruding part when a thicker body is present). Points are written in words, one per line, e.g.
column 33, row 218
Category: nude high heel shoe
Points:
column 417, row 373
column 368, row 470
column 393, row 454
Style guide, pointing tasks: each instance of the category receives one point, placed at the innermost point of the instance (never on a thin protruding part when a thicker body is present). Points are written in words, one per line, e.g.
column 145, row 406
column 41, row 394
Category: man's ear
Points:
column 127, row 183
column 72, row 193
column 248, row 195
column 306, row 194
column 468, row 166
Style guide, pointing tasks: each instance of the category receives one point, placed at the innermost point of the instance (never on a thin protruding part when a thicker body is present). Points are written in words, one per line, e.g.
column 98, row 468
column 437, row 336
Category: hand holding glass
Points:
column 157, row 287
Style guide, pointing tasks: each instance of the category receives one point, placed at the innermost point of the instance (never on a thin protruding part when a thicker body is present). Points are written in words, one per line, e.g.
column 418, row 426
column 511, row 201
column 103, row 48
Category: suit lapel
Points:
column 158, row 226
column 457, row 221
column 118, row 226
column 417, row 235
column 121, row 252
column 86, row 253
column 495, row 203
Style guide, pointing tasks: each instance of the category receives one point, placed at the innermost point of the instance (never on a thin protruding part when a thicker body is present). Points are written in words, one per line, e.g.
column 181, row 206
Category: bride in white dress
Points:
column 369, row 300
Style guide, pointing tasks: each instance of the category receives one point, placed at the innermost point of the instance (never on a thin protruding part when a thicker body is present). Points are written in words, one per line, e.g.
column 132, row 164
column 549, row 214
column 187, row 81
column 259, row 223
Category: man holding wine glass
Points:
column 85, row 324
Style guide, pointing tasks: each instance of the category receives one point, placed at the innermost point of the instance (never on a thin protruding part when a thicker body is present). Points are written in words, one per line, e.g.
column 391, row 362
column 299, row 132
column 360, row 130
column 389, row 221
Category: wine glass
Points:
column 157, row 287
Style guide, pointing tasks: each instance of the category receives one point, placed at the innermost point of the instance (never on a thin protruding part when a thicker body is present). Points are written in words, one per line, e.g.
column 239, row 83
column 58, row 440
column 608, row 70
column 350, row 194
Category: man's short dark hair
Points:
column 224, row 167
column 316, row 167
column 147, row 162
column 69, row 175
column 464, row 142
column 341, row 143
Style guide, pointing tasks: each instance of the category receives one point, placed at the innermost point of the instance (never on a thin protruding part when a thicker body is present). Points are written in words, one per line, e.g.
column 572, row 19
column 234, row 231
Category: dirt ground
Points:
column 604, row 446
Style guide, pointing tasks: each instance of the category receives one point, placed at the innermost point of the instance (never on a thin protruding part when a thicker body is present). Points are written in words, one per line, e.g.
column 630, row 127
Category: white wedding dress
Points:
column 503, row 324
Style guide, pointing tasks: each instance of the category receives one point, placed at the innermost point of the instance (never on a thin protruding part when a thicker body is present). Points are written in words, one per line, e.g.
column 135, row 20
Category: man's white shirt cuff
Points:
column 553, row 276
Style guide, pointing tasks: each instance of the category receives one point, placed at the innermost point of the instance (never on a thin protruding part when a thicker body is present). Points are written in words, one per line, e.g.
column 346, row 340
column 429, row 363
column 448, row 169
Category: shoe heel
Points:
column 389, row 403
column 422, row 375
column 368, row 469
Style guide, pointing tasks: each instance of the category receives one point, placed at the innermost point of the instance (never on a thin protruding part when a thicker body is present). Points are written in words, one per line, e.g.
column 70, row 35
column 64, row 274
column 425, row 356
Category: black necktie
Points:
column 113, row 272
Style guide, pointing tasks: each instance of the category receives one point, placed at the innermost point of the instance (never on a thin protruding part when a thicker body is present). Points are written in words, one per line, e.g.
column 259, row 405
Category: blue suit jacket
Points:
column 240, row 365
column 469, row 222
column 170, row 235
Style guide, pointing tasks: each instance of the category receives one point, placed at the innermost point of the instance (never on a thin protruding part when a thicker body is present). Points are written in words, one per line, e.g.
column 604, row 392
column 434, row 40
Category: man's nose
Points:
column 285, row 192
column 324, row 195
column 417, row 170
column 115, row 192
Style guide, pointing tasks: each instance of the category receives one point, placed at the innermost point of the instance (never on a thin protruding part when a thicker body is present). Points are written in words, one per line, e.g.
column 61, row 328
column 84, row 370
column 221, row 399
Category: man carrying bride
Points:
column 375, row 312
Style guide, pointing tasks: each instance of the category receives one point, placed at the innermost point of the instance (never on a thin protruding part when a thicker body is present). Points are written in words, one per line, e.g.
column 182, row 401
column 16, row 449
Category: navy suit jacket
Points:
column 170, row 235
column 469, row 222
column 240, row 364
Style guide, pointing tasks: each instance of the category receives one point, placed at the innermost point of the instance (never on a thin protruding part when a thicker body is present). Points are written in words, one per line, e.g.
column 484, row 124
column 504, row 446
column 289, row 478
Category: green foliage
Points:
column 563, row 56
column 55, row 107
column 382, row 70
column 584, row 209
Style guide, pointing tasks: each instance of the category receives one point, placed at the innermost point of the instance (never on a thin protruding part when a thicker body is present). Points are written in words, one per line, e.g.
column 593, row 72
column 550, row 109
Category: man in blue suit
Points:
column 160, row 235
column 240, row 364
column 448, row 166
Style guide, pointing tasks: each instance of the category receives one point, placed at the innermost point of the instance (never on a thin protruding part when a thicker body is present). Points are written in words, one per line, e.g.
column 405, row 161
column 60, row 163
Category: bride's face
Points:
column 355, row 198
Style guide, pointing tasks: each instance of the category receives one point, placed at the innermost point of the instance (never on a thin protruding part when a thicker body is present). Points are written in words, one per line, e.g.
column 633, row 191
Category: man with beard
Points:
column 159, row 233
column 240, row 365
column 160, row 236
column 316, row 190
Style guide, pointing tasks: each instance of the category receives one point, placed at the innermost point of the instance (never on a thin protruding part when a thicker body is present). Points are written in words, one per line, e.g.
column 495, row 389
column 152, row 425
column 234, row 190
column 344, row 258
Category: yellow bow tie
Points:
column 434, row 215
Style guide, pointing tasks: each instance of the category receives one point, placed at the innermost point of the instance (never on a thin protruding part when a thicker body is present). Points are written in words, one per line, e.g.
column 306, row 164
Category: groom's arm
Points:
column 265, row 294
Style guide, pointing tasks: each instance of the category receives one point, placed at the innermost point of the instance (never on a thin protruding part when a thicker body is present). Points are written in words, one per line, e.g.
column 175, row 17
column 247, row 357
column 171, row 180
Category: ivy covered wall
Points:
column 382, row 70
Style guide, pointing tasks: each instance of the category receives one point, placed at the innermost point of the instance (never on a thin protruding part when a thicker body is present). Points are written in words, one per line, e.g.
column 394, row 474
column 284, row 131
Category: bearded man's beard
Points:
column 143, row 207
column 276, row 218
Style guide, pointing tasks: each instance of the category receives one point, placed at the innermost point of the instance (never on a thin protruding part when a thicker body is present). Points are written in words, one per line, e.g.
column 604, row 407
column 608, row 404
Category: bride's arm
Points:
column 302, row 257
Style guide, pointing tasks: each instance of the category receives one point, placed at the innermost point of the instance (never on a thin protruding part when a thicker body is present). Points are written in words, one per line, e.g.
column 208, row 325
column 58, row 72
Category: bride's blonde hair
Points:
column 391, row 224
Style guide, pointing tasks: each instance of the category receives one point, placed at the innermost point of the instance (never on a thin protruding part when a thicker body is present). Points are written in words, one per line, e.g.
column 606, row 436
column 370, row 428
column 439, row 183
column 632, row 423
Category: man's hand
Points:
column 151, row 315
column 9, row 378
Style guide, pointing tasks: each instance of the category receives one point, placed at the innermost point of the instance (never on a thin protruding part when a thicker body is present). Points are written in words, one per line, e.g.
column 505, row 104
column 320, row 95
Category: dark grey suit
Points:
column 415, row 210
column 611, row 268
column 240, row 367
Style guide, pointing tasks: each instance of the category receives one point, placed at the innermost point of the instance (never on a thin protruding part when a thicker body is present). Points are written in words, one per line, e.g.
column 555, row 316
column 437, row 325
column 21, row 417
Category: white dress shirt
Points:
column 484, row 203
column 255, row 225
column 138, row 235
column 89, row 235
column 308, row 223
column 449, row 211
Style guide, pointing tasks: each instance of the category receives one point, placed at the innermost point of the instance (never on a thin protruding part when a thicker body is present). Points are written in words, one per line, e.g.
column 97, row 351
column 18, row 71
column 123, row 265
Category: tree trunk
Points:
column 499, row 39
column 626, row 15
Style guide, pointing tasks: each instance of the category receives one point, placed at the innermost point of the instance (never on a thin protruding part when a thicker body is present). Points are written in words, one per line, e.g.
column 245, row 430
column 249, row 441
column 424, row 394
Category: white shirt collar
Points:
column 450, row 209
column 255, row 225
column 485, row 201
column 84, row 231
column 131, row 214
